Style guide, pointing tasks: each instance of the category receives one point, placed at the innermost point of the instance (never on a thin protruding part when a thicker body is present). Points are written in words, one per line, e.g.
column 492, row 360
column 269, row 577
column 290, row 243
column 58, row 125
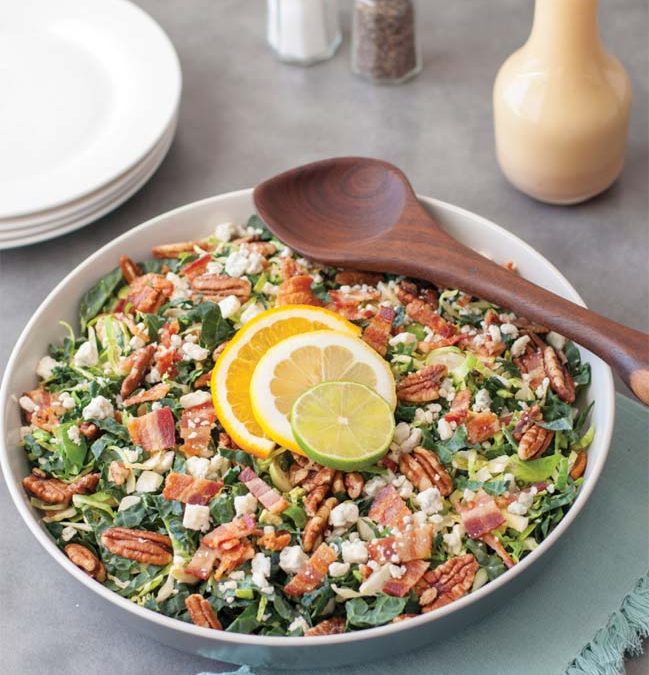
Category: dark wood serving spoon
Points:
column 363, row 214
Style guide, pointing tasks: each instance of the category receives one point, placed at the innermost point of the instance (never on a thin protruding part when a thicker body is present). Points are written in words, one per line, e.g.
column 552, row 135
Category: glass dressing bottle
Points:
column 303, row 32
column 561, row 107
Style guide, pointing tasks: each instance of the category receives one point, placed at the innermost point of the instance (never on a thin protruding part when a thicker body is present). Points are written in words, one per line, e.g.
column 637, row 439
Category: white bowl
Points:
column 195, row 221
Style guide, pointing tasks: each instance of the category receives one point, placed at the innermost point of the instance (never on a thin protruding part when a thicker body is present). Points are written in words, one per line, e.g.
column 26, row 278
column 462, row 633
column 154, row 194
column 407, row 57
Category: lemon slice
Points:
column 343, row 425
column 294, row 365
column 234, row 367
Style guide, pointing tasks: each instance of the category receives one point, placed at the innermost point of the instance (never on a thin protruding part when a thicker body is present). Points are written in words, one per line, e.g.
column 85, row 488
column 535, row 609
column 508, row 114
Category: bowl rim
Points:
column 604, row 433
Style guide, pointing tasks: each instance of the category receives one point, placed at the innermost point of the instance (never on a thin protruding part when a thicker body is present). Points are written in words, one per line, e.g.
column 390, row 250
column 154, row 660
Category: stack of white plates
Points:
column 90, row 94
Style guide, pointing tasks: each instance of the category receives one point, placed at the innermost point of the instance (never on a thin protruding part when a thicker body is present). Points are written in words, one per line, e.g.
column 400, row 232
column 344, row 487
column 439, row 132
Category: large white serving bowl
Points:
column 195, row 221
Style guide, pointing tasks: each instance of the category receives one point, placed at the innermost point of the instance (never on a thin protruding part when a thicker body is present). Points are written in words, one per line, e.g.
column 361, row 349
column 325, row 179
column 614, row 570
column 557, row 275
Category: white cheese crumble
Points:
column 99, row 408
column 46, row 366
column 430, row 500
column 338, row 569
column 519, row 346
column 405, row 338
column 444, row 429
column 195, row 398
column 556, row 340
column 197, row 467
column 229, row 306
column 193, row 352
column 494, row 333
column 298, row 623
column 68, row 532
column 447, row 390
column 66, row 400
column 260, row 566
column 74, row 434
column 250, row 312
column 148, row 481
column 87, row 354
column 344, row 515
column 242, row 262
column 509, row 329
column 225, row 231
column 181, row 286
column 453, row 540
column 373, row 486
column 245, row 504
column 354, row 552
column 27, row 404
column 292, row 559
column 482, row 401
column 196, row 517
column 403, row 486
column 523, row 502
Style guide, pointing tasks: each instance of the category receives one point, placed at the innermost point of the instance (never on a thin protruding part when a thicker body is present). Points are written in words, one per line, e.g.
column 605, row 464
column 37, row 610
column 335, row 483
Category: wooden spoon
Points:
column 363, row 214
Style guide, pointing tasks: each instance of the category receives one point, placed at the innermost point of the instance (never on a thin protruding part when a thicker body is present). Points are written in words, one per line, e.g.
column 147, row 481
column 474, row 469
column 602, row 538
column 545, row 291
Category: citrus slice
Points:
column 234, row 367
column 294, row 365
column 343, row 425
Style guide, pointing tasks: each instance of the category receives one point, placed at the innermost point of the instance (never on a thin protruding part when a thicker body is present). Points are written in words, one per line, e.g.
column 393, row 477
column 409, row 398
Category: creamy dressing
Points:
column 561, row 107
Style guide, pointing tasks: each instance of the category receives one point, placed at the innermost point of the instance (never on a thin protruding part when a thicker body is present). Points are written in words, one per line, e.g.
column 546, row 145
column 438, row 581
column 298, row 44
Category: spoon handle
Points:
column 444, row 261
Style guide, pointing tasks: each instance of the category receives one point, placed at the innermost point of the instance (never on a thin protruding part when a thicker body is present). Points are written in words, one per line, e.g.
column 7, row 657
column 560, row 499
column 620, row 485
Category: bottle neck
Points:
column 565, row 30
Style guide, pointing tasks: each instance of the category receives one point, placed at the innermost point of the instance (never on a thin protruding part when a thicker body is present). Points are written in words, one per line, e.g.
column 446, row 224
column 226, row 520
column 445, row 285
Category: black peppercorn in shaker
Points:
column 384, row 46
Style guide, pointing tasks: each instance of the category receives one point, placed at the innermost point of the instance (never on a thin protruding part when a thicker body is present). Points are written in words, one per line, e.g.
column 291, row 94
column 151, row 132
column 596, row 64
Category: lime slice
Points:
column 342, row 425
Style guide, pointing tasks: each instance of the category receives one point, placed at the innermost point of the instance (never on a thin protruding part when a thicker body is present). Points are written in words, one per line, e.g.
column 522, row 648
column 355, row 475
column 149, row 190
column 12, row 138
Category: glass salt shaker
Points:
column 385, row 48
column 303, row 32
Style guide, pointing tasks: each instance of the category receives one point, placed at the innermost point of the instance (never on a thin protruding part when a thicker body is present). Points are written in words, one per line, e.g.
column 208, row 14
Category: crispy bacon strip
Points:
column 415, row 570
column 481, row 515
column 313, row 572
column 377, row 332
column 423, row 313
column 347, row 303
column 154, row 431
column 196, row 267
column 234, row 557
column 531, row 363
column 460, row 407
column 202, row 563
column 196, row 426
column 149, row 292
column 388, row 508
column 269, row 497
column 296, row 290
column 48, row 409
column 156, row 393
column 482, row 426
column 223, row 536
column 189, row 490
column 415, row 544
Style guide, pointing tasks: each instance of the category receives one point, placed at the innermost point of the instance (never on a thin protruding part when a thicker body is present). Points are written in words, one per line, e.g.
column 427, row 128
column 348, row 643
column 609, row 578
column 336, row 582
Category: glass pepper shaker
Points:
column 385, row 48
column 303, row 32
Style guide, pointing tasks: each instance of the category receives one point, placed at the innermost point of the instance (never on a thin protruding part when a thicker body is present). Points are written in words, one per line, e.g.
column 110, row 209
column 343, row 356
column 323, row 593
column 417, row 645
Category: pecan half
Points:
column 534, row 442
column 579, row 466
column 314, row 530
column 421, row 386
column 175, row 249
column 55, row 491
column 561, row 380
column 297, row 474
column 354, row 484
column 327, row 627
column 88, row 430
column 357, row 278
column 448, row 582
column 526, row 420
column 313, row 500
column 146, row 547
column 424, row 470
column 130, row 270
column 338, row 484
column 323, row 476
column 406, row 291
column 201, row 612
column 85, row 559
column 141, row 361
column 220, row 286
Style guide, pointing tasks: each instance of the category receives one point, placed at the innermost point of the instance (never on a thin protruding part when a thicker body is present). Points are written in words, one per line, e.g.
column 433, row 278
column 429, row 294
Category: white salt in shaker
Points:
column 303, row 31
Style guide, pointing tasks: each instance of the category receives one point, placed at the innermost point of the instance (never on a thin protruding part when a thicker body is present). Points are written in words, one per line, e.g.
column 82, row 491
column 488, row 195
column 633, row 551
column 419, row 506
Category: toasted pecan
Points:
column 421, row 386
column 578, row 468
column 55, row 491
column 534, row 442
column 448, row 582
column 141, row 361
column 313, row 533
column 150, row 548
column 561, row 381
column 424, row 470
column 220, row 286
column 354, row 484
column 85, row 559
column 327, row 627
column 201, row 612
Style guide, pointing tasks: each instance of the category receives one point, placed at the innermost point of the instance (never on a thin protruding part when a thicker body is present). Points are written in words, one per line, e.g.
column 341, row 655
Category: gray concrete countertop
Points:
column 244, row 117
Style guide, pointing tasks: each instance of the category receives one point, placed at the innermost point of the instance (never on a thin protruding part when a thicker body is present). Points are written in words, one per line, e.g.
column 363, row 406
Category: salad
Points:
column 156, row 485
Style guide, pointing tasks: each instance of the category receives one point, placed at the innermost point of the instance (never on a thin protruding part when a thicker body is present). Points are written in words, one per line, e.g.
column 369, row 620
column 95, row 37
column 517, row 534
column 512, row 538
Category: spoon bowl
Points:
column 362, row 213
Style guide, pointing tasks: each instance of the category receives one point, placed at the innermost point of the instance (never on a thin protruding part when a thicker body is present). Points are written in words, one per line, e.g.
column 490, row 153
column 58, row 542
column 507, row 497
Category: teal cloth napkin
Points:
column 589, row 605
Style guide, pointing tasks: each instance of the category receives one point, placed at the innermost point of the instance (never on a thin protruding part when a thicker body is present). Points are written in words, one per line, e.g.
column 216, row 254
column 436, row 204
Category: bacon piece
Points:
column 493, row 542
column 377, row 332
column 481, row 427
column 234, row 557
column 415, row 570
column 225, row 535
column 388, row 508
column 149, row 292
column 481, row 515
column 196, row 267
column 140, row 362
column 196, row 426
column 460, row 407
column 47, row 409
column 156, row 393
column 531, row 363
column 269, row 497
column 166, row 355
column 202, row 563
column 403, row 547
column 347, row 303
column 296, row 290
column 312, row 573
column 423, row 313
column 274, row 541
column 154, row 431
column 291, row 268
column 189, row 490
